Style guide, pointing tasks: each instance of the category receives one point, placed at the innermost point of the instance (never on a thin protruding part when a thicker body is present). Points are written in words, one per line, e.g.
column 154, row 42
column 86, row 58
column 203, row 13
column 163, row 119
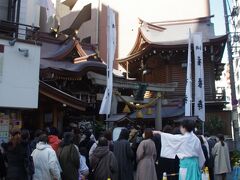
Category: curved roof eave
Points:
column 73, row 70
column 62, row 97
column 168, row 45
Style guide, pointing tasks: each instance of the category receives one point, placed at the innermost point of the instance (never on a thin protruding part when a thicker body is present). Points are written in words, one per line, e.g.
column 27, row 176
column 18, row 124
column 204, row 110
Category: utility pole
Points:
column 232, row 79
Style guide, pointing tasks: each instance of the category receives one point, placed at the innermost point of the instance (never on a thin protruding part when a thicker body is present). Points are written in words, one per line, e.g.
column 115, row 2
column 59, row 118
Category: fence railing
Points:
column 18, row 30
column 219, row 96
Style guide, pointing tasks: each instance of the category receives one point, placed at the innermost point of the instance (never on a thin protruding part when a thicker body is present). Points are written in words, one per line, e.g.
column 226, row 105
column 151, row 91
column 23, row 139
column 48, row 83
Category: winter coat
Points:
column 104, row 164
column 45, row 162
column 124, row 155
column 33, row 144
column 221, row 158
column 170, row 166
column 3, row 170
column 83, row 170
column 205, row 152
column 85, row 146
column 69, row 159
column 146, row 156
column 211, row 144
column 54, row 141
column 16, row 161
column 94, row 146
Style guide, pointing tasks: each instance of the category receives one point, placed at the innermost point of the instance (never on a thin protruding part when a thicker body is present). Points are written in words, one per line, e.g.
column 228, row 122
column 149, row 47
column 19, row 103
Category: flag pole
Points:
column 188, row 95
column 111, row 46
column 203, row 128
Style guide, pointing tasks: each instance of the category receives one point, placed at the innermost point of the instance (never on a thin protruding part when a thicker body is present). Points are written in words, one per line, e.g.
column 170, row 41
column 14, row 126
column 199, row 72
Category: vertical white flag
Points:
column 188, row 95
column 199, row 108
column 111, row 46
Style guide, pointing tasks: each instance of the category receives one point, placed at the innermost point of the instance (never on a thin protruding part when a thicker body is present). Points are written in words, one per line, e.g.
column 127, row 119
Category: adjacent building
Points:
column 19, row 61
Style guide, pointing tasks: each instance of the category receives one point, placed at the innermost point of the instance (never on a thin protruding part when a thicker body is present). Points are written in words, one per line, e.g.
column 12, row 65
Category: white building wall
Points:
column 29, row 12
column 89, row 28
column 224, row 82
column 46, row 23
column 19, row 79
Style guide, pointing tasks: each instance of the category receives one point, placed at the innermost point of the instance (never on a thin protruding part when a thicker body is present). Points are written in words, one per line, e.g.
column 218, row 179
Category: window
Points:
column 10, row 10
column 4, row 10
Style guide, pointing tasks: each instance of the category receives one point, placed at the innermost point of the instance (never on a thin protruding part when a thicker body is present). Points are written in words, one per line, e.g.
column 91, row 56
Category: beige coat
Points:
column 221, row 159
column 146, row 156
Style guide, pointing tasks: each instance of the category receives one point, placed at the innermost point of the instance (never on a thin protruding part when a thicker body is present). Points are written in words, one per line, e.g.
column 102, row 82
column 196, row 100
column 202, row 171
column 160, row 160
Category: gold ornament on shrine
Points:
column 126, row 109
column 139, row 114
column 149, row 111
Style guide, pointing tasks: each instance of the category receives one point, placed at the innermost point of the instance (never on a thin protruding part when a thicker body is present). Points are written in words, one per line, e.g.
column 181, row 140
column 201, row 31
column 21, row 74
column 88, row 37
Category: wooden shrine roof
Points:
column 150, row 42
column 60, row 52
column 145, row 44
column 69, row 60
column 62, row 97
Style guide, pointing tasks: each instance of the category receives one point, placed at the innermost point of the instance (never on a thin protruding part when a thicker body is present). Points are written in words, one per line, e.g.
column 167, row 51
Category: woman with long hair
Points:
column 220, row 154
column 146, row 156
column 16, row 153
column 124, row 155
column 69, row 157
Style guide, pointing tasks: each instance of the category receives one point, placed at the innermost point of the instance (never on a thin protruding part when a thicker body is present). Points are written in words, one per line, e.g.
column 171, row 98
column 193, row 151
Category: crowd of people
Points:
column 136, row 155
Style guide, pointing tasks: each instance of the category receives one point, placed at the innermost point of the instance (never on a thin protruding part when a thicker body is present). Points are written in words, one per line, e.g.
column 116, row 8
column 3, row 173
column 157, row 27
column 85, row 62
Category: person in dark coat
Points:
column 15, row 152
column 104, row 162
column 205, row 152
column 135, row 139
column 3, row 169
column 34, row 142
column 165, row 164
column 85, row 146
column 157, row 141
column 28, row 161
column 211, row 142
column 69, row 157
column 124, row 155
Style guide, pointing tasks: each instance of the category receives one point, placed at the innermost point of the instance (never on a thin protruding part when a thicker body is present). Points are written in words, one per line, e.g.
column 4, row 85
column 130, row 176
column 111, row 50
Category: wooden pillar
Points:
column 55, row 116
column 127, row 75
column 41, row 118
column 114, row 104
column 158, row 120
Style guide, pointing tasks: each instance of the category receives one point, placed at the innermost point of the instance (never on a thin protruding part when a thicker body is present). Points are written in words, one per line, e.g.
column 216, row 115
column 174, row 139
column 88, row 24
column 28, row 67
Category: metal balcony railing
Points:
column 18, row 30
column 217, row 97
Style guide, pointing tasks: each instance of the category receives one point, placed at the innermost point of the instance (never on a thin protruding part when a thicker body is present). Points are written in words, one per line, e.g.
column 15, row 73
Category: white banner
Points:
column 111, row 46
column 199, row 108
column 188, row 95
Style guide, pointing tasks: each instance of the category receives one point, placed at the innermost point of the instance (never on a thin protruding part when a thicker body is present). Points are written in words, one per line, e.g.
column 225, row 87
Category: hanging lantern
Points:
column 149, row 111
column 126, row 109
column 139, row 114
